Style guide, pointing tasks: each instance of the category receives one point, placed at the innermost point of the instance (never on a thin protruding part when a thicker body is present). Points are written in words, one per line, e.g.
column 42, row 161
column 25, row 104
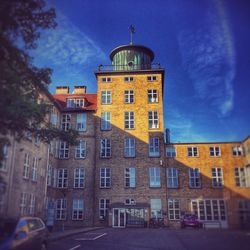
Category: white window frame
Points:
column 154, row 177
column 3, row 163
column 129, row 96
column 81, row 122
column 237, row 151
column 192, row 151
column 156, row 208
column 70, row 103
column 49, row 175
column 241, row 178
column 103, row 207
column 26, row 166
column 194, row 178
column 105, row 177
column 79, row 178
column 79, row 102
column 32, row 204
column 154, row 147
column 106, row 121
column 153, row 96
column 214, row 151
column 105, row 148
column 61, row 209
column 129, row 177
column 174, row 210
column 172, row 177
column 65, row 122
column 151, row 78
column 129, row 120
column 106, row 97
column 129, row 147
column 80, row 150
column 106, row 79
column 128, row 79
column 153, row 119
column 171, row 151
column 23, row 203
column 217, row 177
column 62, row 178
column 77, row 209
column 64, row 150
column 34, row 169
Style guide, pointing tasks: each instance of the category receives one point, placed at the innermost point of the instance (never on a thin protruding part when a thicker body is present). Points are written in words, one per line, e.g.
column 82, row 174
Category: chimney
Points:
column 167, row 136
column 62, row 90
column 80, row 89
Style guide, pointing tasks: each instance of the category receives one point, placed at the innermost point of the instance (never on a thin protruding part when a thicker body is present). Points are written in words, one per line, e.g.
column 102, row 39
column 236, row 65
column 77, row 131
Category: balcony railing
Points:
column 129, row 67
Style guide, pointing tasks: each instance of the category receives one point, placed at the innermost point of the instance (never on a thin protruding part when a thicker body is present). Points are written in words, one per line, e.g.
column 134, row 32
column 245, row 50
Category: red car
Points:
column 190, row 220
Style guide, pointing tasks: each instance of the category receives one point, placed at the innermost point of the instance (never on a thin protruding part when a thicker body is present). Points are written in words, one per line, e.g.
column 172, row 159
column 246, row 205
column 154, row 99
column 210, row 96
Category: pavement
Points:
column 67, row 233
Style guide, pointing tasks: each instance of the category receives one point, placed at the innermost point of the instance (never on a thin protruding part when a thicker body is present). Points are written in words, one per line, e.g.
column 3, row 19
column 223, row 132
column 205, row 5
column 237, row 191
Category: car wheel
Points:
column 43, row 246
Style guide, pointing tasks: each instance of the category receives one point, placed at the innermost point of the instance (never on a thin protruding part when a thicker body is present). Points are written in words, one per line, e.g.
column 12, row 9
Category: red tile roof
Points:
column 91, row 99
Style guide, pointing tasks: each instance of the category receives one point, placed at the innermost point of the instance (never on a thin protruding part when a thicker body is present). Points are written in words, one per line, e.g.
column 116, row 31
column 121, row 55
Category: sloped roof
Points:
column 91, row 101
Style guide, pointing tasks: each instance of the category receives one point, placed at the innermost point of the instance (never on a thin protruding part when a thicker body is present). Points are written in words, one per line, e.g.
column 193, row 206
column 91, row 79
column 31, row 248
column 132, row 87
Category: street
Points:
column 155, row 239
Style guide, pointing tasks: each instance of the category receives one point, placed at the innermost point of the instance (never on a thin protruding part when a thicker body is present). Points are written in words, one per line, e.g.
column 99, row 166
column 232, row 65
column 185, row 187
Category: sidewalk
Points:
column 59, row 235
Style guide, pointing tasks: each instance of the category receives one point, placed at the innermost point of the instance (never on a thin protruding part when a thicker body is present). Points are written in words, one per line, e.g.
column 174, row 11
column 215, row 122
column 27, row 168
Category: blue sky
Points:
column 203, row 45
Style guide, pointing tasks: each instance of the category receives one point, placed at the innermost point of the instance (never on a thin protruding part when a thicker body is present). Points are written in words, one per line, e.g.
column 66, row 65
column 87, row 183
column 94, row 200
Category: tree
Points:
column 20, row 82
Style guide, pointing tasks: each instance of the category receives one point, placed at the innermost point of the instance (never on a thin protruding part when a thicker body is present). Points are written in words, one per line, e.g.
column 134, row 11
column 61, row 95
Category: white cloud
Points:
column 209, row 58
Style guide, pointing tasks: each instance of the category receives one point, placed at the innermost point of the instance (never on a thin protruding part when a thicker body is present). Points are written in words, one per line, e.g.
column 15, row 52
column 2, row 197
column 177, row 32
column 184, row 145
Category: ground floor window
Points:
column 77, row 211
column 103, row 208
column 61, row 209
column 173, row 209
column 156, row 208
column 135, row 216
column 211, row 210
column 244, row 213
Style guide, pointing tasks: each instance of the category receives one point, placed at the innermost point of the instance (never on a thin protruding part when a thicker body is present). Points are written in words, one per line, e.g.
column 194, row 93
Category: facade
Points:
column 123, row 173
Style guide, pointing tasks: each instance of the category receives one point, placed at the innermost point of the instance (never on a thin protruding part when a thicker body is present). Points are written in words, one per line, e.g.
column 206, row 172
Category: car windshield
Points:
column 7, row 228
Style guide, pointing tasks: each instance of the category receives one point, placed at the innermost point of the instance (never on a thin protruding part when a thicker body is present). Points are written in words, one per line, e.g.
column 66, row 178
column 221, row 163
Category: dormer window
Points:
column 75, row 103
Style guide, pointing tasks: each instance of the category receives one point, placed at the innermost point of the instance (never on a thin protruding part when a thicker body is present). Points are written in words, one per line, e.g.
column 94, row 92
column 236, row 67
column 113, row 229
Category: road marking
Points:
column 95, row 238
column 75, row 247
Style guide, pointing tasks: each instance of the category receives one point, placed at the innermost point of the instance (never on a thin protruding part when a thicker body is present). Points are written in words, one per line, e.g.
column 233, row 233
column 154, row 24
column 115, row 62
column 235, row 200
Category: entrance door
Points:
column 119, row 217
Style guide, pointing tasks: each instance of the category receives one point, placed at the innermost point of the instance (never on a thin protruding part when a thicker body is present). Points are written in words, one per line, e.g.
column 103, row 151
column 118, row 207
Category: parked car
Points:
column 26, row 233
column 190, row 220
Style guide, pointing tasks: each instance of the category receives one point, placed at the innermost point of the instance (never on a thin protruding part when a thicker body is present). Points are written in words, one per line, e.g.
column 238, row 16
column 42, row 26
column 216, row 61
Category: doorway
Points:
column 119, row 217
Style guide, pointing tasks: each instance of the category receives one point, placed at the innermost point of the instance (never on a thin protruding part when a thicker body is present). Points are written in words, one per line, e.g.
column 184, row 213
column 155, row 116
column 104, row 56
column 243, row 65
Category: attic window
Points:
column 75, row 103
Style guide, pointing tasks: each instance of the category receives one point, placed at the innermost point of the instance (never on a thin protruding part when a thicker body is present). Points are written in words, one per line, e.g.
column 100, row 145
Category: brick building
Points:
column 122, row 173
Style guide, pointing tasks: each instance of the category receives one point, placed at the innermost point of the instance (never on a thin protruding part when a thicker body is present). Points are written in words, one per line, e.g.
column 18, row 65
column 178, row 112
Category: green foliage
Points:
column 20, row 82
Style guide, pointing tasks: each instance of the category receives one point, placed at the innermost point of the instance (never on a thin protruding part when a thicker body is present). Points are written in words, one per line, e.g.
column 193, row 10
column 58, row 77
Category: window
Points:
column 79, row 176
column 32, row 205
column 105, row 148
column 129, row 120
column 154, row 177
column 105, row 121
column 54, row 117
column 80, row 150
column 103, row 208
column 106, row 79
column 194, row 178
column 26, row 166
column 49, row 175
column 217, row 178
column 37, row 140
column 34, row 169
column 156, row 208
column 65, row 122
column 106, row 97
column 240, row 177
column 170, row 151
column 129, row 96
column 214, row 151
column 193, row 151
column 54, row 177
column 77, row 211
column 61, row 205
column 23, row 203
column 81, row 122
column 152, row 95
column 128, row 79
column 151, row 78
column 172, row 178
column 130, row 201
column 130, row 177
column 62, row 178
column 173, row 209
column 237, row 151
column 70, row 103
column 244, row 212
column 209, row 210
column 105, row 177
column 154, row 147
column 79, row 103
column 3, row 163
column 153, row 121
column 129, row 147
column 64, row 150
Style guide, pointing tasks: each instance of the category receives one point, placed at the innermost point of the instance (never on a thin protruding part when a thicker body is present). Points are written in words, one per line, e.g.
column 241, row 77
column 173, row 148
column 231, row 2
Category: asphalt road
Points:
column 155, row 239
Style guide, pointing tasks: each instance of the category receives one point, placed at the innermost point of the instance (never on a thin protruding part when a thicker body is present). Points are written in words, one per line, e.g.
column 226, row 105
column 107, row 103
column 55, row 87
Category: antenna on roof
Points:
column 131, row 29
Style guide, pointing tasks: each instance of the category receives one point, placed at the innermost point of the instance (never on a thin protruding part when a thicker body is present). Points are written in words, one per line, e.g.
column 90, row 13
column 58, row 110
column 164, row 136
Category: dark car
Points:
column 26, row 233
column 190, row 220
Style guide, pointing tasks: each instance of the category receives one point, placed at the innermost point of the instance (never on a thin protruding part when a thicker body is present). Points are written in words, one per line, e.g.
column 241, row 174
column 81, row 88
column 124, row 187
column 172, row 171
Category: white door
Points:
column 119, row 217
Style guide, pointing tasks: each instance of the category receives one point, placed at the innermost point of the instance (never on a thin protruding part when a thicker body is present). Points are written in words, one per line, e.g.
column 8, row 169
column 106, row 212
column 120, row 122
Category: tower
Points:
column 130, row 178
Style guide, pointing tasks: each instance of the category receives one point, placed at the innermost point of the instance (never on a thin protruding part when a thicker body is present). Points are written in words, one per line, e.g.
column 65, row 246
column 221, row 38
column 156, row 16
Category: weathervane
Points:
column 131, row 29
